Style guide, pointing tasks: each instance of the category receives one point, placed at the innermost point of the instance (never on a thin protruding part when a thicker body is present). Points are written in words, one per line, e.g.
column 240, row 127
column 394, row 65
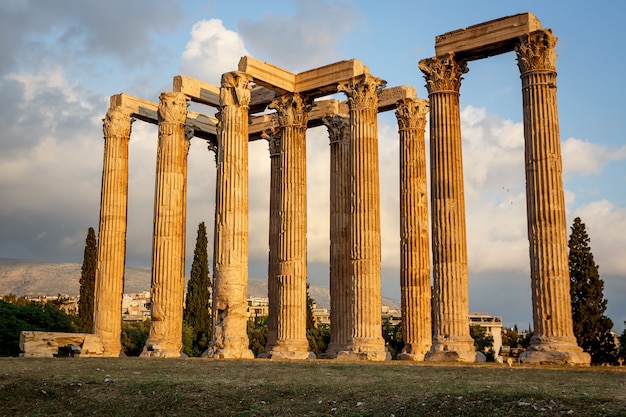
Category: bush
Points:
column 134, row 336
column 32, row 316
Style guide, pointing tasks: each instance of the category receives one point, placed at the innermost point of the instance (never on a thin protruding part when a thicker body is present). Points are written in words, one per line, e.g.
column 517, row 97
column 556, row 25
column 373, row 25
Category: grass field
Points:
column 199, row 387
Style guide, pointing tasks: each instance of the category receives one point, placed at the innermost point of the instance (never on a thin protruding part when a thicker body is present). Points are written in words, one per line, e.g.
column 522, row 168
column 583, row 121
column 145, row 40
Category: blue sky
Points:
column 62, row 60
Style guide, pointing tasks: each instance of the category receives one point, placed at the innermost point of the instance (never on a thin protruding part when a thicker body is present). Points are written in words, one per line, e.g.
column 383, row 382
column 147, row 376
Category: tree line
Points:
column 592, row 327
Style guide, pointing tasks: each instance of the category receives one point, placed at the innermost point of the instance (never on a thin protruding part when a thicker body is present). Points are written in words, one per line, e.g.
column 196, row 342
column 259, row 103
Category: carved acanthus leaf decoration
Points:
column 338, row 127
column 172, row 108
column 411, row 114
column 235, row 89
column 362, row 91
column 536, row 51
column 443, row 73
column 117, row 123
column 292, row 110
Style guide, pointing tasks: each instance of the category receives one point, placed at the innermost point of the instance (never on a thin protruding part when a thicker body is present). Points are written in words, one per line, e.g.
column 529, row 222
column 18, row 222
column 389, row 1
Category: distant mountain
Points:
column 24, row 277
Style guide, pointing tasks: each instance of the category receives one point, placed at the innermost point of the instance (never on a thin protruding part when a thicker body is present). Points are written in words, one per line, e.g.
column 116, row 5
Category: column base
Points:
column 413, row 353
column 555, row 351
column 365, row 349
column 333, row 349
column 291, row 356
column 459, row 349
column 228, row 354
column 153, row 350
column 108, row 354
column 372, row 356
column 294, row 350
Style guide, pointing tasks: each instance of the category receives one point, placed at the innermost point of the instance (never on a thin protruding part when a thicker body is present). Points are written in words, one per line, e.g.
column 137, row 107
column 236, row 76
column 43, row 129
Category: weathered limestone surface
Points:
column 451, row 339
column 112, row 232
column 203, row 126
column 340, row 292
column 230, row 274
column 553, row 340
column 415, row 288
column 314, row 83
column 291, row 340
column 36, row 344
column 168, row 247
column 488, row 38
column 366, row 341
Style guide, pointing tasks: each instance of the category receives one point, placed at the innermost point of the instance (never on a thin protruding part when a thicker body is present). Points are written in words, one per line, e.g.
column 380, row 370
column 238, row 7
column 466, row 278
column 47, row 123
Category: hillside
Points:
column 25, row 277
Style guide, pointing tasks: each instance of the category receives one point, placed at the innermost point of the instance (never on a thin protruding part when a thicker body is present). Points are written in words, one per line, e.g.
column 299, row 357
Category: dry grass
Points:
column 197, row 387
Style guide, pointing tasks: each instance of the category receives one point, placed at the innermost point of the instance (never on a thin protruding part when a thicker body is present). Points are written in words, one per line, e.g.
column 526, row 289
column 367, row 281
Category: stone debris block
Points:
column 36, row 344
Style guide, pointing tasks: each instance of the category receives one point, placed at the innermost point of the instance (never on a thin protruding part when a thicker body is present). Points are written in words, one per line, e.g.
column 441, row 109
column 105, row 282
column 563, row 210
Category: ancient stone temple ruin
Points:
column 298, row 102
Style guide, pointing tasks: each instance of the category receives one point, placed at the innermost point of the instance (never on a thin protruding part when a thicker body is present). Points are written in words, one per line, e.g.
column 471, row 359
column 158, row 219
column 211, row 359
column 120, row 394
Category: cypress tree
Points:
column 197, row 303
column 88, row 281
column 591, row 326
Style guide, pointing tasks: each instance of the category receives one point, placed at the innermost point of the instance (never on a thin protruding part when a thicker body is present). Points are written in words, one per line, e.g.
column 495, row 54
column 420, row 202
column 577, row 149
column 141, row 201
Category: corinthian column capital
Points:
column 536, row 52
column 292, row 110
column 338, row 127
column 235, row 89
column 117, row 123
column 411, row 114
column 443, row 73
column 172, row 108
column 274, row 144
column 362, row 91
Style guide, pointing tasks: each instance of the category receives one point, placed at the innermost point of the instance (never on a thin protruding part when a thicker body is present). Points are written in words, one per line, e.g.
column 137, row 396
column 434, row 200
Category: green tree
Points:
column 32, row 316
column 483, row 342
column 196, row 312
column 88, row 282
column 392, row 334
column 257, row 336
column 310, row 320
column 318, row 338
column 134, row 336
column 622, row 344
column 510, row 337
column 591, row 326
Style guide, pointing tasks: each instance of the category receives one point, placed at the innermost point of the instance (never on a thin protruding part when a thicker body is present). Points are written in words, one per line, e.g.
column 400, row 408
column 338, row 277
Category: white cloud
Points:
column 587, row 158
column 212, row 51
column 493, row 158
column 605, row 225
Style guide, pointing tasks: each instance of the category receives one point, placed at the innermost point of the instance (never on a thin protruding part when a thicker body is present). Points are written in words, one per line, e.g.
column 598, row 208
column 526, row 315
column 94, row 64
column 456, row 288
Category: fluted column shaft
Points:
column 230, row 282
column 291, row 342
column 547, row 228
column 109, row 284
column 340, row 294
column 366, row 338
column 168, row 241
column 451, row 341
column 415, row 291
column 274, row 236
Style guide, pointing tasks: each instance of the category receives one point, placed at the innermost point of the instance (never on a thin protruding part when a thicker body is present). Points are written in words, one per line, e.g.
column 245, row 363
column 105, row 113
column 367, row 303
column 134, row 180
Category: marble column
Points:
column 230, row 275
column 340, row 302
column 291, row 342
column 553, row 340
column 109, row 284
column 274, row 236
column 168, row 239
column 366, row 341
column 415, row 291
column 451, row 339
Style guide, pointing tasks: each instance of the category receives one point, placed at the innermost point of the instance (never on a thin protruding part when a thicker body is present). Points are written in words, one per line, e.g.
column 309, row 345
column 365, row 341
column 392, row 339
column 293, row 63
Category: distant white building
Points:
column 136, row 306
column 492, row 326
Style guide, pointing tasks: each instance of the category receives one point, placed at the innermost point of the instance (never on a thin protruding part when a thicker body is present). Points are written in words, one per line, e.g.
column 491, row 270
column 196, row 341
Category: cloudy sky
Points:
column 62, row 60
